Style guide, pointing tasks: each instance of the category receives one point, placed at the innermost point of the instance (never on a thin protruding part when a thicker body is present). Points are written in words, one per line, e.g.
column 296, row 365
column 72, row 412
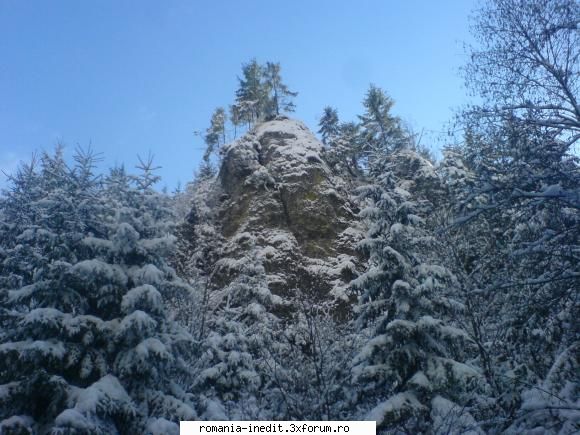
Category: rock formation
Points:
column 279, row 203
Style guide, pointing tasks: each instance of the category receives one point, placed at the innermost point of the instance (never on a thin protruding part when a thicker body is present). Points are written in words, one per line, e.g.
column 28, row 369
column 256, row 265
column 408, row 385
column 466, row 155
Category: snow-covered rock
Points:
column 279, row 198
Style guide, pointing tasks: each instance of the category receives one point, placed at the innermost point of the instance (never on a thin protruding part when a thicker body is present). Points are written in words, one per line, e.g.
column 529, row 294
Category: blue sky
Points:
column 130, row 77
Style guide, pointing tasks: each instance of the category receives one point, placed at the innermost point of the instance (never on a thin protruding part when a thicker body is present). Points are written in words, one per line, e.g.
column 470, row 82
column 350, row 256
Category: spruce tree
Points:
column 216, row 133
column 279, row 97
column 329, row 125
column 87, row 345
column 412, row 373
column 344, row 153
column 251, row 96
column 240, row 328
column 235, row 118
column 381, row 131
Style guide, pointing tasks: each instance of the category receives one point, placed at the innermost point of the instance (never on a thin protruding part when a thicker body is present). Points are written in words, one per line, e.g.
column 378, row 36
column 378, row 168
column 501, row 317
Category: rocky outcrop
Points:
column 280, row 204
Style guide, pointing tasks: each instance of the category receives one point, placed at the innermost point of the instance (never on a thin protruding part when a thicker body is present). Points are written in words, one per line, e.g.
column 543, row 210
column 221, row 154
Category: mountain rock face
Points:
column 280, row 204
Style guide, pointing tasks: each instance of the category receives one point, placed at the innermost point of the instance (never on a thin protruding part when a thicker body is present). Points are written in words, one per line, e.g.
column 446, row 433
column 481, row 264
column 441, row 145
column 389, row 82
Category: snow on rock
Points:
column 281, row 204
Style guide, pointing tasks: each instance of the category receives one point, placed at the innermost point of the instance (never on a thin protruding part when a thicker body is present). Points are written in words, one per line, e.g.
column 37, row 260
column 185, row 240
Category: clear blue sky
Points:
column 134, row 76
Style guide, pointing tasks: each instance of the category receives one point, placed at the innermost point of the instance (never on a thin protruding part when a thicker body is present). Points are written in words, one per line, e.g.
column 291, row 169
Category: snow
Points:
column 160, row 245
column 268, row 252
column 425, row 270
column 233, row 264
column 22, row 293
column 399, row 325
column 98, row 244
column 280, row 239
column 138, row 322
column 145, row 296
column 125, row 238
column 368, row 350
column 256, row 309
column 161, row 426
column 449, row 417
column 101, row 397
column 291, row 148
column 214, row 411
column 16, row 423
column 74, row 325
column 74, row 419
column 333, row 267
column 148, row 274
column 397, row 228
column 419, row 379
column 439, row 368
column 97, row 270
column 52, row 348
column 394, row 406
column 47, row 317
column 152, row 346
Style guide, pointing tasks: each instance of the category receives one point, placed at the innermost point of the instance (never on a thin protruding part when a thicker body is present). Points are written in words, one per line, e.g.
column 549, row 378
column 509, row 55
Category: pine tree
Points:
column 240, row 328
column 309, row 362
column 329, row 125
column 198, row 246
column 251, row 96
column 214, row 138
column 381, row 131
column 412, row 373
column 235, row 118
column 216, row 133
column 344, row 153
column 86, row 344
column 278, row 95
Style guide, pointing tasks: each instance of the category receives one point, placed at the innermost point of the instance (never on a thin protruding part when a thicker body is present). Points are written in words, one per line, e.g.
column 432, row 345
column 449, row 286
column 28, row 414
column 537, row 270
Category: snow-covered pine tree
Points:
column 240, row 328
column 41, row 363
column 199, row 243
column 412, row 374
column 343, row 153
column 153, row 351
column 215, row 135
column 251, row 96
column 381, row 132
column 86, row 345
column 309, row 366
column 262, row 94
column 17, row 215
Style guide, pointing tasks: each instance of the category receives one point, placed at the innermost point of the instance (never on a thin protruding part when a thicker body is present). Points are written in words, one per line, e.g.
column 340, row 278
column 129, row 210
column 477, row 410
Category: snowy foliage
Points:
column 86, row 344
column 415, row 353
